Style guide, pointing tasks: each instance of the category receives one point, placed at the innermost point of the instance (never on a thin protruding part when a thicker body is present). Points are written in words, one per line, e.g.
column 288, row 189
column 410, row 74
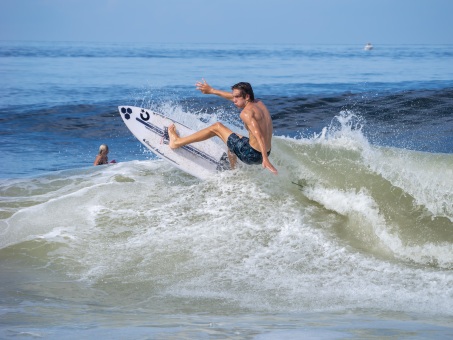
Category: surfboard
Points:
column 201, row 159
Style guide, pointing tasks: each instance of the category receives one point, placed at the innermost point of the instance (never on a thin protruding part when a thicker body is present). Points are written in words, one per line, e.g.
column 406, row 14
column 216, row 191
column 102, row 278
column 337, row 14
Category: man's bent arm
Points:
column 256, row 131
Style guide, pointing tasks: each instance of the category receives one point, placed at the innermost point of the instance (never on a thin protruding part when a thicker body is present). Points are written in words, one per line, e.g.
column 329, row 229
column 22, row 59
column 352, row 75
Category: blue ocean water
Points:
column 60, row 99
column 353, row 239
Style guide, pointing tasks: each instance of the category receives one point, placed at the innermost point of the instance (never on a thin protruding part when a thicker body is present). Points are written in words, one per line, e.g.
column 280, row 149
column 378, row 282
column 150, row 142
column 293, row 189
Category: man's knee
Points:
column 221, row 131
column 218, row 126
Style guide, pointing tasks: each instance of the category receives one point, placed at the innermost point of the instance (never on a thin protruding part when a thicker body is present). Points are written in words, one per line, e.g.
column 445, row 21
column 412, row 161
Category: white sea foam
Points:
column 425, row 176
column 360, row 246
column 146, row 233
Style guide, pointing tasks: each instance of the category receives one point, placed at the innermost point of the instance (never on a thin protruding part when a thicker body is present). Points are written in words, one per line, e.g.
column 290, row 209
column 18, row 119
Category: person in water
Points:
column 255, row 148
column 102, row 158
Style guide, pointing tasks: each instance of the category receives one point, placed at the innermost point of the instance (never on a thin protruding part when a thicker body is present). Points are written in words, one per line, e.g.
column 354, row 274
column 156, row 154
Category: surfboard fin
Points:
column 224, row 163
column 165, row 136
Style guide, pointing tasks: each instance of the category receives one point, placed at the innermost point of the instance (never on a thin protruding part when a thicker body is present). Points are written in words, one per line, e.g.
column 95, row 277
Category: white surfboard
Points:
column 200, row 159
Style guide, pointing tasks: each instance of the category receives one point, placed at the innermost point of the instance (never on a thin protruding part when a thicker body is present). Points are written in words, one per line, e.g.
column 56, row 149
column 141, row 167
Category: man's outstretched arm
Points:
column 205, row 88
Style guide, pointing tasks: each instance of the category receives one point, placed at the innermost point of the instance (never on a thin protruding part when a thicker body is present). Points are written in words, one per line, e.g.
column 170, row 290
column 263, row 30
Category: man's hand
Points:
column 204, row 87
column 269, row 166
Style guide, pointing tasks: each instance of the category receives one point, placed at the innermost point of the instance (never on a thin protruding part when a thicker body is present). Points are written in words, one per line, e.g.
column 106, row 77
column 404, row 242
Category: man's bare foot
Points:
column 173, row 136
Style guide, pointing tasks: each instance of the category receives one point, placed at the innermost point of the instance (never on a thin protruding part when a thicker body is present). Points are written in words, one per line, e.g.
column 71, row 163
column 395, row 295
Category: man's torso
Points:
column 262, row 117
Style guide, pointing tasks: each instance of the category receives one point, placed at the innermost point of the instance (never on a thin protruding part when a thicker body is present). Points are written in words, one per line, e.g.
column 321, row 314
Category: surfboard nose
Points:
column 126, row 111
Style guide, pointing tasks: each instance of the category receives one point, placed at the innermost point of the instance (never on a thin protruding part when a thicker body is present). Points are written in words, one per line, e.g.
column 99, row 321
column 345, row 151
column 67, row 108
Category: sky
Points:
column 237, row 21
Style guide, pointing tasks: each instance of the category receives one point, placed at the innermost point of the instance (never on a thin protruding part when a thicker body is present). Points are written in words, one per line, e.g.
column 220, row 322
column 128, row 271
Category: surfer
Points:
column 254, row 149
column 102, row 158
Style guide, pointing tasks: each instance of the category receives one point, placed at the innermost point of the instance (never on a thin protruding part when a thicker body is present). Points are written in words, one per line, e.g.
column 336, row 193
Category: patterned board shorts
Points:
column 242, row 149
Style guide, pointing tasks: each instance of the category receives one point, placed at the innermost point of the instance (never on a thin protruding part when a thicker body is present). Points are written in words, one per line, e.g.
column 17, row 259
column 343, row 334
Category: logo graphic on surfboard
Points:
column 200, row 159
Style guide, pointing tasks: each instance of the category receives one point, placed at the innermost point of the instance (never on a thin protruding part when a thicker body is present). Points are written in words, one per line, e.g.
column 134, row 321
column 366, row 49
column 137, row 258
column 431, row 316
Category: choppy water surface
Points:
column 353, row 238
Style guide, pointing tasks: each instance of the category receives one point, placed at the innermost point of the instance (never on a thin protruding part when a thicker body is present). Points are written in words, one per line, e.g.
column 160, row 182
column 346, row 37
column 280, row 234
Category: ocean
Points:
column 352, row 239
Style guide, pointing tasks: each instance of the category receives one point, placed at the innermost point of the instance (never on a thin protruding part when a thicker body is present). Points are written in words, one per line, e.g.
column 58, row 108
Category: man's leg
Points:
column 232, row 158
column 217, row 129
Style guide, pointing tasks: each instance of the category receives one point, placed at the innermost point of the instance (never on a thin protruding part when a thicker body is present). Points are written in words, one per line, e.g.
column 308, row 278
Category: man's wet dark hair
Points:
column 245, row 89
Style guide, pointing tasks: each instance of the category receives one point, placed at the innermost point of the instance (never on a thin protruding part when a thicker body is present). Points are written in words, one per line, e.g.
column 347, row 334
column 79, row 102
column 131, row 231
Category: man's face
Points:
column 238, row 100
